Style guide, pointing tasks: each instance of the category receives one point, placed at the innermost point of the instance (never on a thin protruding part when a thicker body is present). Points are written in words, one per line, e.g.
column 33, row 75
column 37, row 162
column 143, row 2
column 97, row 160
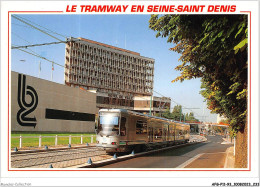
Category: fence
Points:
column 51, row 140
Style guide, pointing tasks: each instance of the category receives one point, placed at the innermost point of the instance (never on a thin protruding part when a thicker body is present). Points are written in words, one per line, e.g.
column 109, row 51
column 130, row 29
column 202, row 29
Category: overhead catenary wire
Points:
column 22, row 25
column 39, row 56
column 47, row 32
column 36, row 28
column 165, row 96
column 171, row 101
column 43, row 27
column 16, row 47
column 26, row 21
column 36, row 45
column 177, row 103
column 33, row 45
column 15, row 34
column 27, row 49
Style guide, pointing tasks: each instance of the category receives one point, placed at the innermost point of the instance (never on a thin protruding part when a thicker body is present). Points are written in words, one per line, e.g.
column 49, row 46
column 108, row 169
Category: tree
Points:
column 167, row 113
column 177, row 113
column 213, row 48
column 187, row 117
column 190, row 118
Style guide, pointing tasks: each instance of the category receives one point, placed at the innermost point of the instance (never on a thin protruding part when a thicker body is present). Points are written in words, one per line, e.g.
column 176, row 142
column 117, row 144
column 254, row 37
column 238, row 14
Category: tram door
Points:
column 165, row 132
column 150, row 134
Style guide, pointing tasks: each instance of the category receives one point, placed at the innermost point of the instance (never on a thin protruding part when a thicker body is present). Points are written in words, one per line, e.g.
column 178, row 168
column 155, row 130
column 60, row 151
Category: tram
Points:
column 121, row 130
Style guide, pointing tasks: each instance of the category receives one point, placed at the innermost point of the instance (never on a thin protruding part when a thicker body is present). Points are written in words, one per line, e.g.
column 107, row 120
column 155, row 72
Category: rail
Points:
column 58, row 158
column 56, row 137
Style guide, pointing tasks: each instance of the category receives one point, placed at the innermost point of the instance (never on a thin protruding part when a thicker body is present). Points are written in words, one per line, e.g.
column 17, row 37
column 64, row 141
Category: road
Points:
column 173, row 158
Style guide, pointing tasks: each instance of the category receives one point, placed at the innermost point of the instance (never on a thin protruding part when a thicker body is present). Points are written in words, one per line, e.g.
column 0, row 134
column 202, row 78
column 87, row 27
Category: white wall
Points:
column 52, row 96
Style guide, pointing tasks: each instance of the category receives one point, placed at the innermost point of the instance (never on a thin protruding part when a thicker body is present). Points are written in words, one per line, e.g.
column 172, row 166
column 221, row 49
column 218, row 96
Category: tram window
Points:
column 116, row 129
column 122, row 126
column 158, row 134
column 99, row 127
column 141, row 127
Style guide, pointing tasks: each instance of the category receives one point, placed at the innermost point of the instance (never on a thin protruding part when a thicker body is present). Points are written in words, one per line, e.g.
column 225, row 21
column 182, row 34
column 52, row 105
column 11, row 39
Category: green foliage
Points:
column 176, row 114
column 213, row 48
column 233, row 131
column 190, row 118
column 218, row 129
column 167, row 114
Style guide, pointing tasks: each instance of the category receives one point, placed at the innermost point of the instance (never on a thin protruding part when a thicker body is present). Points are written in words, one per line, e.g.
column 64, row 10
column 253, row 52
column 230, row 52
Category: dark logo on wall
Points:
column 26, row 107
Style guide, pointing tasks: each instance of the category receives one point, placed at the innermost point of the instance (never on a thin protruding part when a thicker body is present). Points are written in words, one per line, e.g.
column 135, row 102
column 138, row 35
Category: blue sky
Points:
column 125, row 31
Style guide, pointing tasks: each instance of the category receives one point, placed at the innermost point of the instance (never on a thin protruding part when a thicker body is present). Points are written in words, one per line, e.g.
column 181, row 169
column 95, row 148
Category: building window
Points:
column 141, row 127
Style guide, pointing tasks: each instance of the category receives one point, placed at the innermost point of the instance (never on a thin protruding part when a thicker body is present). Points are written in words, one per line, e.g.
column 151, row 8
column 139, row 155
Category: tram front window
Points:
column 109, row 124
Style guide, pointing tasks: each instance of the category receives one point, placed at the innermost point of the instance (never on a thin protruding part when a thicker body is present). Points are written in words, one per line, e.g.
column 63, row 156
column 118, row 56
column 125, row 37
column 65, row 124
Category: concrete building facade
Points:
column 116, row 75
column 156, row 104
column 39, row 105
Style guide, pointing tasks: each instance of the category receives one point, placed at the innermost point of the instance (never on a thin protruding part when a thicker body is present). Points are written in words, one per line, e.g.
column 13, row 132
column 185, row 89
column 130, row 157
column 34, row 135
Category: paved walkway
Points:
column 230, row 159
column 209, row 160
column 212, row 160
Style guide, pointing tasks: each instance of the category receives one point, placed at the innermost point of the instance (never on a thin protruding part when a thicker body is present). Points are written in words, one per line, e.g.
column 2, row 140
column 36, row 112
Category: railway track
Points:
column 63, row 158
column 76, row 157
